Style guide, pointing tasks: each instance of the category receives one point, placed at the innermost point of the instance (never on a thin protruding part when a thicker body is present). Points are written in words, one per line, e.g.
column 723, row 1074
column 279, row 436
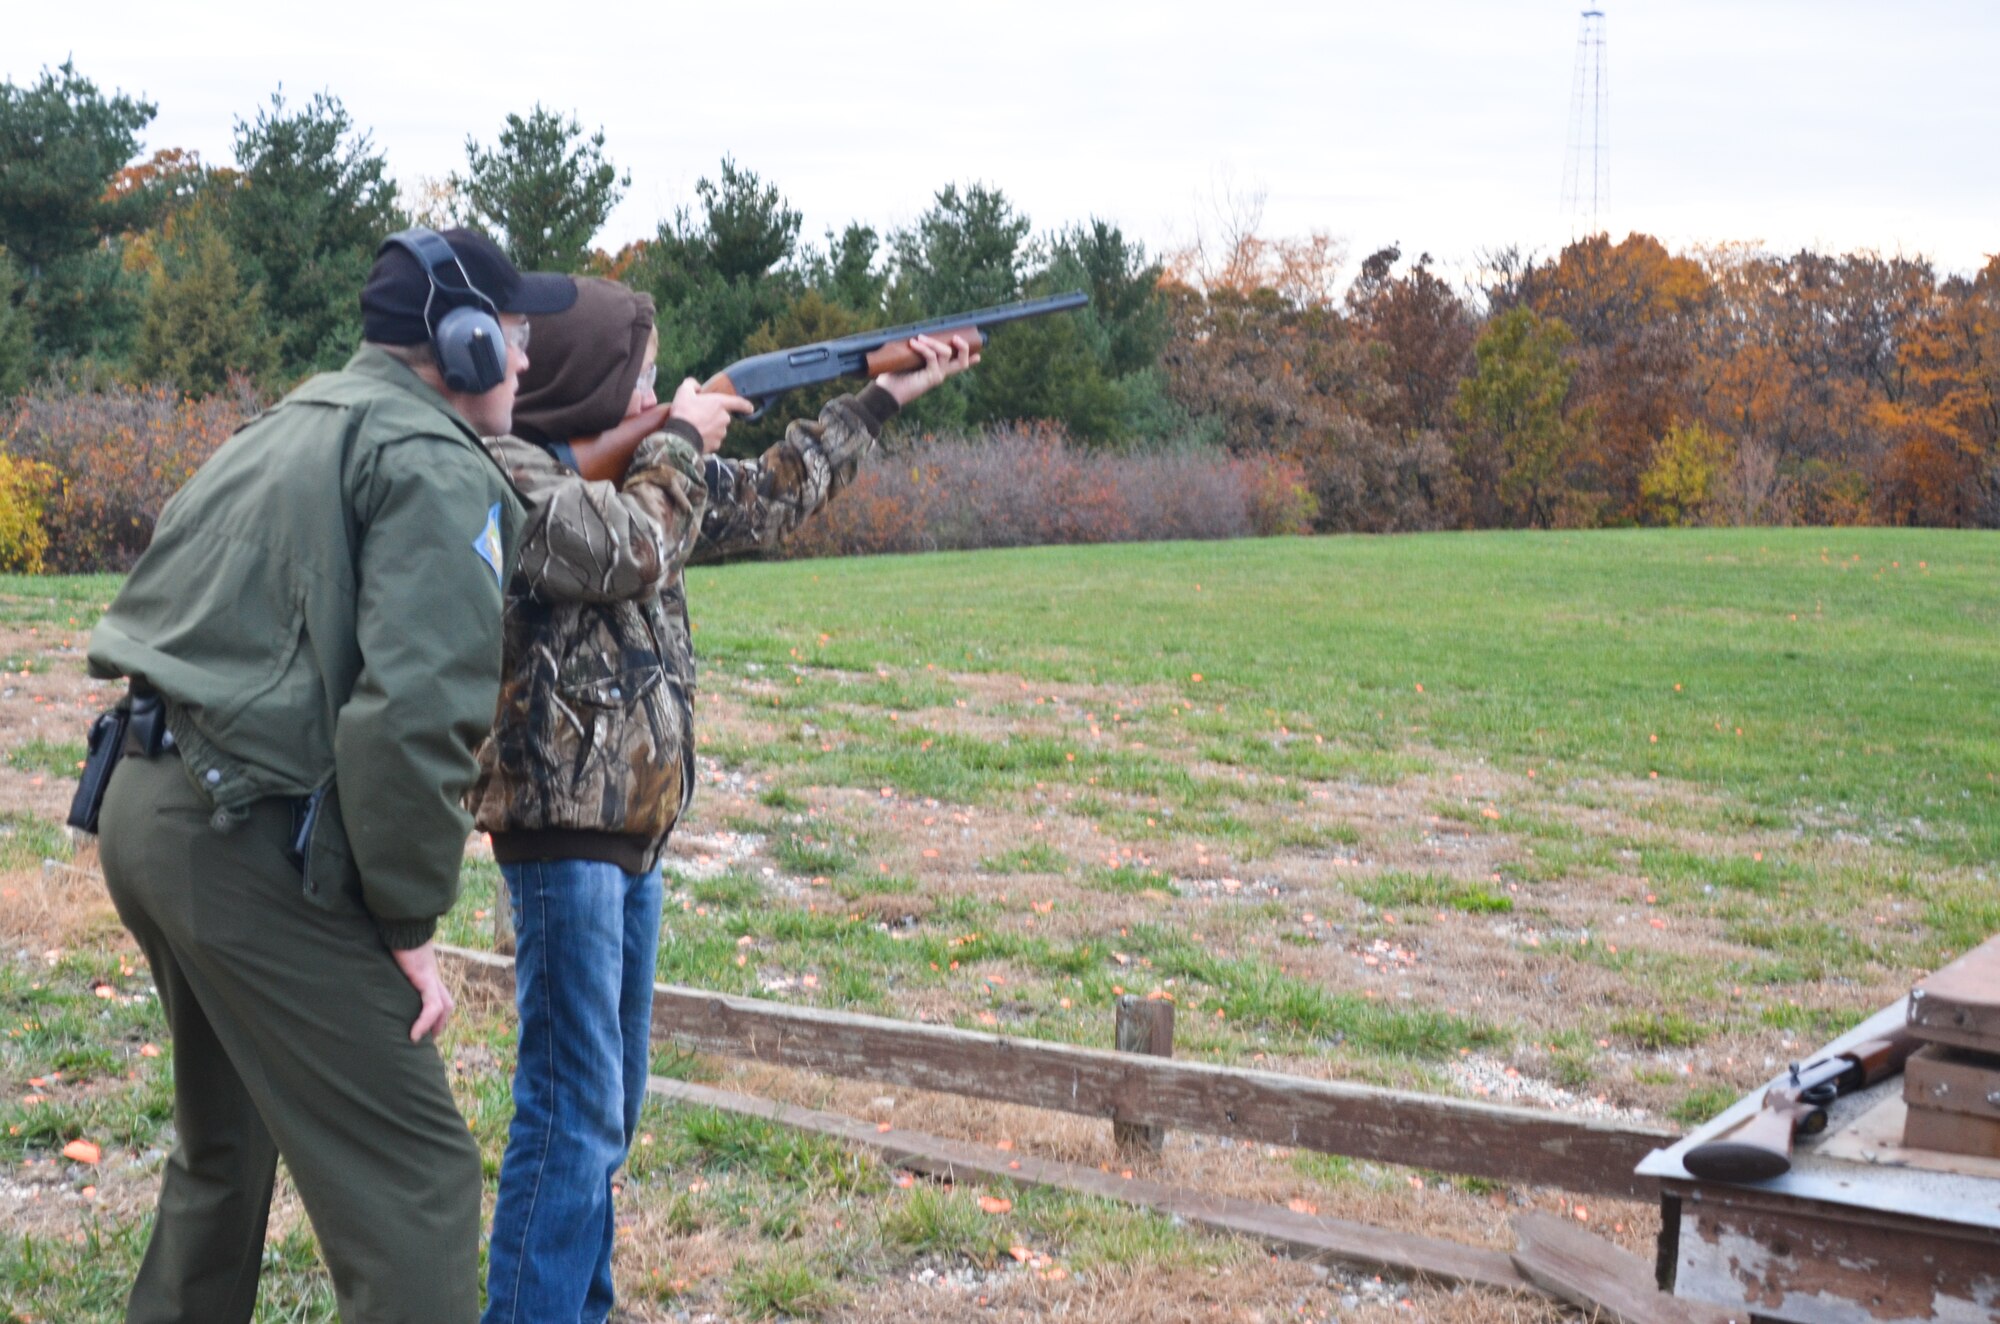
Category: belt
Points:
column 147, row 737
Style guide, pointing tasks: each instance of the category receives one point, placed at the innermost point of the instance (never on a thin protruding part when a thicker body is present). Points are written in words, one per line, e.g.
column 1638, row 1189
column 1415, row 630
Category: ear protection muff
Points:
column 466, row 337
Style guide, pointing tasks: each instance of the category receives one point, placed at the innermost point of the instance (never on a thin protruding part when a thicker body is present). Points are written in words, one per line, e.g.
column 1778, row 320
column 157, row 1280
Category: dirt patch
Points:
column 47, row 1198
column 1243, row 1284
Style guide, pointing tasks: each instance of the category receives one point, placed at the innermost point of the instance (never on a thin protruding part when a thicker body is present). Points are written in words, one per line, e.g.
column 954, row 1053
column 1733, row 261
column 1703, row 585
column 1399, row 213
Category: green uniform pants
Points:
column 291, row 1032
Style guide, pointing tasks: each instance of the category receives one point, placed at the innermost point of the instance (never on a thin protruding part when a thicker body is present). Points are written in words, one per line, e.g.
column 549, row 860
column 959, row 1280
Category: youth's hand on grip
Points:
column 941, row 360
column 708, row 414
column 420, row 966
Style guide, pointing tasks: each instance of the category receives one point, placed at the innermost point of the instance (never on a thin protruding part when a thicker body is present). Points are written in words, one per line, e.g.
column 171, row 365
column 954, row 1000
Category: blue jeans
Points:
column 587, row 936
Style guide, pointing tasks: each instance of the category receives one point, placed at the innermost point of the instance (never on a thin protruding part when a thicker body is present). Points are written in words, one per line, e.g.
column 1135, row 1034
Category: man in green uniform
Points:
column 313, row 642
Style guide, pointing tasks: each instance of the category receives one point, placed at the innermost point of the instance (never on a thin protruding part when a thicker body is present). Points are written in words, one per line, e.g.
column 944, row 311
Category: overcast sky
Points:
column 1834, row 123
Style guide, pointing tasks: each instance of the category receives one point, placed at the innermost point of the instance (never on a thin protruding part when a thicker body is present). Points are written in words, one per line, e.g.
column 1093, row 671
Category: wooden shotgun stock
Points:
column 1795, row 1105
column 606, row 456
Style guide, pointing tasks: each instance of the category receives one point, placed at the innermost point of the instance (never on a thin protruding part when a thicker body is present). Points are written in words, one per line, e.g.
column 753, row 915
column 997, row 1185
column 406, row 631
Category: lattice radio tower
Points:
column 1587, row 168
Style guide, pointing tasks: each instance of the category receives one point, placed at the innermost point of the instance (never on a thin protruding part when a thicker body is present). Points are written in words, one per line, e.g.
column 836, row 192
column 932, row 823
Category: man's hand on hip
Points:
column 420, row 966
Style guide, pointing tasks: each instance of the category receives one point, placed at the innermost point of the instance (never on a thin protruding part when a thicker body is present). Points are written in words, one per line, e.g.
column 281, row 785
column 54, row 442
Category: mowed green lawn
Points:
column 1845, row 675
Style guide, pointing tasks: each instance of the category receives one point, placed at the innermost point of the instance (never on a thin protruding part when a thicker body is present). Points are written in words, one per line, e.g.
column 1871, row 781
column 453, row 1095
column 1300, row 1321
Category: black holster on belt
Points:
column 107, row 746
column 146, row 734
column 138, row 725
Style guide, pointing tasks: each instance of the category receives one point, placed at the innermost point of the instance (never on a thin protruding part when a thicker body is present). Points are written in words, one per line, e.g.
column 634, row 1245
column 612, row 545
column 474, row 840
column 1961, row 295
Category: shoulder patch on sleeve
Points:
column 488, row 545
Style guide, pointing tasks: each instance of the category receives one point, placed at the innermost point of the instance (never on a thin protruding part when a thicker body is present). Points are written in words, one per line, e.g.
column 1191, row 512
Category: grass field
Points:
column 1607, row 821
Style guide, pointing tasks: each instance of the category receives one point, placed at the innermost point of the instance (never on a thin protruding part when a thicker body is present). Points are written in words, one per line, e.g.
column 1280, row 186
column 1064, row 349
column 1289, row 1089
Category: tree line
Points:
column 1613, row 382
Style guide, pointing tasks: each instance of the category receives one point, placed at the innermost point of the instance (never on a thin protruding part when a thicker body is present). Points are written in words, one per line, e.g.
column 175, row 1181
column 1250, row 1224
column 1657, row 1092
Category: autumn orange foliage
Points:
column 1943, row 422
column 117, row 453
column 1720, row 385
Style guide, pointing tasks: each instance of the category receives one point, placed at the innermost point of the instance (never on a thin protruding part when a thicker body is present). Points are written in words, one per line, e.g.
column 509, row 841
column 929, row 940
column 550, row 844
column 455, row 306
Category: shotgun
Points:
column 762, row 378
column 1795, row 1105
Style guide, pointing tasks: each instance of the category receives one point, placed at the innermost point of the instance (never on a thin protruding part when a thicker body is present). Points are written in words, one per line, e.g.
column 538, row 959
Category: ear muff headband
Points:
column 470, row 347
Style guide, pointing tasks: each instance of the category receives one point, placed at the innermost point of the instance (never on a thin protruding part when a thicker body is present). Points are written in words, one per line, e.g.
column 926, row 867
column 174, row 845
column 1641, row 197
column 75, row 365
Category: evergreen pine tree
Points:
column 313, row 201
column 546, row 187
column 62, row 143
column 17, row 339
column 201, row 323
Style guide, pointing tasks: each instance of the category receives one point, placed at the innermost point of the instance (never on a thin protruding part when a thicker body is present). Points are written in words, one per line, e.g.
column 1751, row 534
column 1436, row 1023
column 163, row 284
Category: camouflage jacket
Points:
column 592, row 750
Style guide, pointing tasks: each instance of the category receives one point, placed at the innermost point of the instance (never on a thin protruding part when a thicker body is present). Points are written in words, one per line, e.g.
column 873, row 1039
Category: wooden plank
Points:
column 1960, row 1004
column 1599, row 1276
column 1145, row 1025
column 1952, row 1133
column 1304, row 1236
column 1951, row 1080
column 1389, row 1126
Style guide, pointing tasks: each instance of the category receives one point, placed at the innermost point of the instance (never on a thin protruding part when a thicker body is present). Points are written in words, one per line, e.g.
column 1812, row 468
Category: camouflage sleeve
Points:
column 604, row 542
column 753, row 504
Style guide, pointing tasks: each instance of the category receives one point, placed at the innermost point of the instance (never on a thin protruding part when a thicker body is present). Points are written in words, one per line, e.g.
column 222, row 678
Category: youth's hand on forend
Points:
column 941, row 360
column 708, row 414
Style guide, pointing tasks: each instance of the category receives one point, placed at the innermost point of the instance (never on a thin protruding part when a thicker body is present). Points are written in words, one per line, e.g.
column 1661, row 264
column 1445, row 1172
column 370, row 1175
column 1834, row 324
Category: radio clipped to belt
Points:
column 136, row 726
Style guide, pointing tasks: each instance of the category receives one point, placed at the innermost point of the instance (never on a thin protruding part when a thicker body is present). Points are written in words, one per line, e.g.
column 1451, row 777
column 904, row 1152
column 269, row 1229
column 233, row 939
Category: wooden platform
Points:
column 1855, row 1233
column 1877, row 1137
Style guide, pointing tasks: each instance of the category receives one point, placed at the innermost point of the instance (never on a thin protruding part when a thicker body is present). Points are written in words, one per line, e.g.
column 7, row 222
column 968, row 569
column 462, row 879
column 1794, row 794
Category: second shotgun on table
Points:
column 762, row 378
column 1795, row 1104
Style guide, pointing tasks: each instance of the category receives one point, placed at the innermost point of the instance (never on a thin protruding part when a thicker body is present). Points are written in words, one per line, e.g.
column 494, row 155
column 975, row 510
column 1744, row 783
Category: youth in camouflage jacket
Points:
column 593, row 751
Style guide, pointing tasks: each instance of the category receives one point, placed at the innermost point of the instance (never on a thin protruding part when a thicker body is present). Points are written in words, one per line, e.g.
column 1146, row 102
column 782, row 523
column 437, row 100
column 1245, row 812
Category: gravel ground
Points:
column 1493, row 1080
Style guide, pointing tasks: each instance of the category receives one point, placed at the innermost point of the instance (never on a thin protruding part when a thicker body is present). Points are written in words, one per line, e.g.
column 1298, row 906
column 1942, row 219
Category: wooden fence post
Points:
column 1145, row 1025
column 503, row 921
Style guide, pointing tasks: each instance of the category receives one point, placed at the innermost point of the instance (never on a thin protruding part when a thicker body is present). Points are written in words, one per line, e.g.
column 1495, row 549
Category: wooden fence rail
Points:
column 1390, row 1126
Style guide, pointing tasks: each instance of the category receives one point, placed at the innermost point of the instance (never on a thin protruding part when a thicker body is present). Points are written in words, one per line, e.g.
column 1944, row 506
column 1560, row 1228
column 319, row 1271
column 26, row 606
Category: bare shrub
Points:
column 1027, row 485
column 1281, row 499
column 1753, row 490
column 118, row 452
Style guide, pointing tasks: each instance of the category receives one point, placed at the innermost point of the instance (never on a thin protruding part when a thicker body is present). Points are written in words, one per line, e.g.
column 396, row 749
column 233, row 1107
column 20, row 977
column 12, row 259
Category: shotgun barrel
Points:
column 762, row 378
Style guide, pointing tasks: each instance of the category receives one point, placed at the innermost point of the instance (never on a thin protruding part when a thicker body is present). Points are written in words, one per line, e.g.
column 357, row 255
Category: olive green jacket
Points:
column 320, row 606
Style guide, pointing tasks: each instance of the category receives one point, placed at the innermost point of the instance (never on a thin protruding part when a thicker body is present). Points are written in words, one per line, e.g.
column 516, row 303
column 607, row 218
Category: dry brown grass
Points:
column 1507, row 969
column 1293, row 907
column 58, row 906
column 1382, row 1195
